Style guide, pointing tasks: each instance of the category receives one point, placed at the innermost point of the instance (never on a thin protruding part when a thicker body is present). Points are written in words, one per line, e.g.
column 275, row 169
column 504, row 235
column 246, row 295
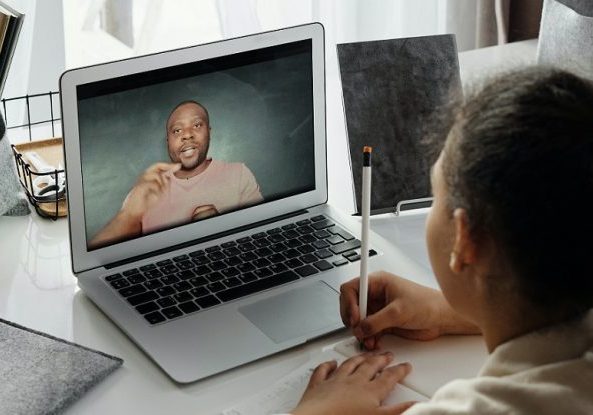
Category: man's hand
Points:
column 149, row 188
column 401, row 307
column 358, row 386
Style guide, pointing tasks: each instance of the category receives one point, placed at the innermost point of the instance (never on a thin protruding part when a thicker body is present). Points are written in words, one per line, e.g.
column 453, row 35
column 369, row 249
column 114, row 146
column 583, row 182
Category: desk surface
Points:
column 38, row 290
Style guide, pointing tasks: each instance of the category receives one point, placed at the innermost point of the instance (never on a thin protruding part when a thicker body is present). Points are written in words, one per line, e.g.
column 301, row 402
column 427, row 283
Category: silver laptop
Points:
column 197, row 189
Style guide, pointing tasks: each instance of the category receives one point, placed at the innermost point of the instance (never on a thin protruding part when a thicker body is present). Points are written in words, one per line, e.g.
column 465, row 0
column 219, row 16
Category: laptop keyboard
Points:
column 185, row 284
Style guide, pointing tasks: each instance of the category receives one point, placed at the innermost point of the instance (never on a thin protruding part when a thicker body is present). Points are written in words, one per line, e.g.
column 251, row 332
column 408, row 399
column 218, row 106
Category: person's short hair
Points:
column 519, row 159
column 189, row 101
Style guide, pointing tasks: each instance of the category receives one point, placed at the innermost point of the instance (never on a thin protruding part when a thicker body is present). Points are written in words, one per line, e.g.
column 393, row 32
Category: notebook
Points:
column 197, row 189
column 430, row 370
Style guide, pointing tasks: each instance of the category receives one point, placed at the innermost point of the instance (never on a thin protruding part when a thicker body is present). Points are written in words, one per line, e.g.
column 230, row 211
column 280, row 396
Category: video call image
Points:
column 163, row 149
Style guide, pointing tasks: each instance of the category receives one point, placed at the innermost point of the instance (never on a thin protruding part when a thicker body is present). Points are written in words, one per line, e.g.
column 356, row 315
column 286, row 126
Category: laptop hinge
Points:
column 204, row 239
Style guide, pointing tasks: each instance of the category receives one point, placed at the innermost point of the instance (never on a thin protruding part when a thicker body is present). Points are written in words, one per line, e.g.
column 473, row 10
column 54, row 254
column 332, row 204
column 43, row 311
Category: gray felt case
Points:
column 391, row 90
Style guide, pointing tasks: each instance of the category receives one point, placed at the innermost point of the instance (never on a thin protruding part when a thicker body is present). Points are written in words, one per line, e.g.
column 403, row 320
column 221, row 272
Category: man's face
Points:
column 188, row 136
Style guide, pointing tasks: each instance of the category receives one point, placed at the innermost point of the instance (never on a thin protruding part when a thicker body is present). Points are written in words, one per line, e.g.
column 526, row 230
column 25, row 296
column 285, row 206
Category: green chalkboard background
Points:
column 260, row 114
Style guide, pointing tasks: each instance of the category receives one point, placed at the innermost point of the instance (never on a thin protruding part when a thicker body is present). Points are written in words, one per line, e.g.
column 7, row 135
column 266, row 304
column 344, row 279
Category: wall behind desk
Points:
column 260, row 115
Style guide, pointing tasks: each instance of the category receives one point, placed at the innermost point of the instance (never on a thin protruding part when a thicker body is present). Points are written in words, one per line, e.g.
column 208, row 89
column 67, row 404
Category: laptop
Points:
column 197, row 189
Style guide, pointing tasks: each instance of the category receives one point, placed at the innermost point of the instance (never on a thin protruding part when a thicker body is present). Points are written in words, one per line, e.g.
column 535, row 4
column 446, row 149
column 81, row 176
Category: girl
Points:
column 509, row 241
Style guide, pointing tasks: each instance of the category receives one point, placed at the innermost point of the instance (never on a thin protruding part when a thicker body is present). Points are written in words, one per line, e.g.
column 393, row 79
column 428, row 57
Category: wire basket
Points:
column 45, row 188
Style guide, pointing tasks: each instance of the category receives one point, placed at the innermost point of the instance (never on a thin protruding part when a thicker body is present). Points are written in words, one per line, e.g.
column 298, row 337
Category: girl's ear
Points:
column 464, row 247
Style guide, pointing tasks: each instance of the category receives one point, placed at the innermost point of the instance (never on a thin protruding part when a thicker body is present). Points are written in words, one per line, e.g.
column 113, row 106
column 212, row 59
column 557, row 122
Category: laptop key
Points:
column 230, row 272
column 261, row 262
column 324, row 253
column 131, row 272
column 306, row 270
column 263, row 242
column 345, row 246
column 264, row 252
column 262, row 272
column 218, row 265
column 169, row 269
column 320, row 244
column 180, row 258
column 165, row 291
column 231, row 251
column 336, row 230
column 257, row 286
column 248, row 277
column 306, row 249
column 276, row 238
column 197, row 253
column 201, row 260
column 198, row 281
column 216, row 256
column 280, row 247
column 153, row 273
column 307, row 259
column 147, row 267
column 354, row 258
column 303, row 222
column 169, row 279
column 323, row 265
column 199, row 292
column 349, row 253
column 154, row 318
column 293, row 263
column 153, row 284
column 202, row 270
column 215, row 276
column 292, row 253
column 185, row 265
column 322, row 224
column 340, row 262
column 132, row 290
column 233, row 261
column 305, row 230
column 278, row 268
column 243, row 268
column 189, row 307
column 216, row 286
column 293, row 243
column 307, row 239
column 247, row 256
column 213, row 248
column 247, row 246
column 172, row 312
column 183, row 297
column 228, row 244
column 185, row 275
column 118, row 284
column 182, row 286
column 335, row 239
column 289, row 226
column 274, row 231
column 244, row 239
column 258, row 235
column 164, row 262
column 276, row 258
column 113, row 277
column 147, row 307
column 317, row 218
column 136, row 278
column 291, row 234
column 232, row 282
column 142, row 298
column 207, row 301
column 322, row 234
column 166, row 302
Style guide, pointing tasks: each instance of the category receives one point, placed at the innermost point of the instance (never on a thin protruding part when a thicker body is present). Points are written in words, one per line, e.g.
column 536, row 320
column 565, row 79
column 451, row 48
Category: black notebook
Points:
column 391, row 91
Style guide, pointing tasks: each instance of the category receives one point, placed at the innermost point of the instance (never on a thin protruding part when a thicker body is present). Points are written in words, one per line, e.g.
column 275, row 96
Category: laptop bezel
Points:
column 82, row 258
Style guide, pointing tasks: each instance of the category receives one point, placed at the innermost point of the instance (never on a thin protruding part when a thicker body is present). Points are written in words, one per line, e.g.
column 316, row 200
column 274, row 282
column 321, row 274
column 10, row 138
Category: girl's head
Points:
column 513, row 191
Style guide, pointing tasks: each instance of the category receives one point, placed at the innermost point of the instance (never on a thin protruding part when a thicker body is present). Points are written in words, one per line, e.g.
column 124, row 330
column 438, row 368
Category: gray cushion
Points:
column 12, row 199
column 566, row 36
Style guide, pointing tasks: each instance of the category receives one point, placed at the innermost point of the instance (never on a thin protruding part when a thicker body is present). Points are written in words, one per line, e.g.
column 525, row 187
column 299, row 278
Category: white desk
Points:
column 38, row 290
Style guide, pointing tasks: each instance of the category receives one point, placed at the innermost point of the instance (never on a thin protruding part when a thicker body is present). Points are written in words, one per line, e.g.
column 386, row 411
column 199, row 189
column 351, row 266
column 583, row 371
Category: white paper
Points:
column 284, row 395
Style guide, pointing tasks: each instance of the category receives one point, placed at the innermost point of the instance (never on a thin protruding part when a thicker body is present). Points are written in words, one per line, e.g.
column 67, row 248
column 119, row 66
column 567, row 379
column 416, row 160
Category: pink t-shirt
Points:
column 226, row 186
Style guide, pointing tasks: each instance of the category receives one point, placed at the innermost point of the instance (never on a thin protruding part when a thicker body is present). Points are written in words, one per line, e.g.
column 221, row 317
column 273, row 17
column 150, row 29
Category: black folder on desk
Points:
column 391, row 91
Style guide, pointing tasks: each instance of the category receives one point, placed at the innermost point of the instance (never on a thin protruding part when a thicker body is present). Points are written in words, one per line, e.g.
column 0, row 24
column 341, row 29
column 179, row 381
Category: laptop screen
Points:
column 169, row 147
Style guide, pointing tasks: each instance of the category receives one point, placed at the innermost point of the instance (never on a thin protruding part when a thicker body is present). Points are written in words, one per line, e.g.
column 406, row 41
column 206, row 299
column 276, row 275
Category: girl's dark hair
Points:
column 519, row 159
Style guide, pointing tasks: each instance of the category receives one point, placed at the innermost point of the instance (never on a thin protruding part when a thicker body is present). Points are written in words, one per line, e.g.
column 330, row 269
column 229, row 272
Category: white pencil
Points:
column 364, row 249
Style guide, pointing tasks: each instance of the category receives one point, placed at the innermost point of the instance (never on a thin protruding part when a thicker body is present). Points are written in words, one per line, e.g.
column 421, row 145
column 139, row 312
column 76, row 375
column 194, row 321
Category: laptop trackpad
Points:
column 296, row 313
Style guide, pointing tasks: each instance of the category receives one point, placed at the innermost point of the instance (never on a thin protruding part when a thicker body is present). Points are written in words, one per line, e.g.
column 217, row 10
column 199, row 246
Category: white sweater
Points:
column 545, row 372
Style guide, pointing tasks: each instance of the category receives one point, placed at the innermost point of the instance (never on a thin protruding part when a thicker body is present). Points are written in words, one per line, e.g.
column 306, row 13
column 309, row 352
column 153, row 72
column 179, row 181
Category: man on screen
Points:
column 191, row 187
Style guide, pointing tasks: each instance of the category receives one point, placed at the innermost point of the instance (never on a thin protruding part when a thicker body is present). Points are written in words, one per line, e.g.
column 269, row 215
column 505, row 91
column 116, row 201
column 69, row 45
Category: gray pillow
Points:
column 12, row 199
column 566, row 36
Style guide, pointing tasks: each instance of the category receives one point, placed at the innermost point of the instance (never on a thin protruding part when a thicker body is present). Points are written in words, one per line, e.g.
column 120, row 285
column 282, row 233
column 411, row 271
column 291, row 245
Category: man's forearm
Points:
column 120, row 227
